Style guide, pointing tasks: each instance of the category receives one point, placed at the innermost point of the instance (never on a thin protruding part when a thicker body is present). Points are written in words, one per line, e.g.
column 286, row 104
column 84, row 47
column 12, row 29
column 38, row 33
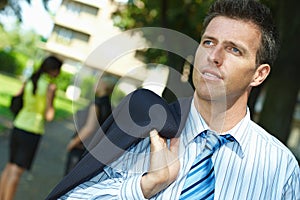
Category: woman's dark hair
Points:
column 49, row 64
column 255, row 12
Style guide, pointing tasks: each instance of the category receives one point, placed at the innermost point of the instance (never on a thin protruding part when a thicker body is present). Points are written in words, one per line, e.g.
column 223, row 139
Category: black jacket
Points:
column 137, row 114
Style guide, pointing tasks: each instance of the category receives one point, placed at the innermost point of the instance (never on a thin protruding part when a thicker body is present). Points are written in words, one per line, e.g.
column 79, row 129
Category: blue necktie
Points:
column 200, row 181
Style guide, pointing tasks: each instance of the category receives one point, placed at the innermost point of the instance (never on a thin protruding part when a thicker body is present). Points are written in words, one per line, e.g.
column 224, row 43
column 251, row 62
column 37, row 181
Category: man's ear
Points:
column 261, row 73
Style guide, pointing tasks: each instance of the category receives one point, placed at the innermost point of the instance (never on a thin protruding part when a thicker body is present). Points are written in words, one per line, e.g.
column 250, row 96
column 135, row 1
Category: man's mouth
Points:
column 211, row 76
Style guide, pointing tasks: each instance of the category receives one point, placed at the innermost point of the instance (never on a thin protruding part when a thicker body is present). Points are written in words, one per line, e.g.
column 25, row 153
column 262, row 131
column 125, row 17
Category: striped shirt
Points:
column 255, row 166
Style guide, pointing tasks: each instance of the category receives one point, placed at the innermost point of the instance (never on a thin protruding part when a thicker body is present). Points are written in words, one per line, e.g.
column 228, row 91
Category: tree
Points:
column 183, row 16
column 16, row 48
column 284, row 83
column 18, row 45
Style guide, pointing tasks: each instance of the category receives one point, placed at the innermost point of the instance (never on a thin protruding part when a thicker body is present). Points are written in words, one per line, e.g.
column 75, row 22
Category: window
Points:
column 76, row 9
column 63, row 36
column 69, row 37
column 73, row 9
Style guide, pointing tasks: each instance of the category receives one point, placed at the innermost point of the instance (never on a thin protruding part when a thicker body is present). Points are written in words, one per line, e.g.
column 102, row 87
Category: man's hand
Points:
column 164, row 165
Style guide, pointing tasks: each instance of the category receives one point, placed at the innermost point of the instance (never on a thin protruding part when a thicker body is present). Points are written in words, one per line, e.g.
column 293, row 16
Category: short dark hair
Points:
column 255, row 12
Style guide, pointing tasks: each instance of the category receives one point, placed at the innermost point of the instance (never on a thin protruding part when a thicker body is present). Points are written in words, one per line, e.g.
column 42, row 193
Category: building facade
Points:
column 84, row 34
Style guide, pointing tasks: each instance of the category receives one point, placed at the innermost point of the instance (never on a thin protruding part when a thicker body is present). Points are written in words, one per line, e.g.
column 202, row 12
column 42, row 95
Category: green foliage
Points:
column 16, row 48
column 5, row 95
column 21, row 59
column 183, row 16
column 4, row 42
column 64, row 107
column 117, row 96
column 63, row 80
column 87, row 87
column 8, row 62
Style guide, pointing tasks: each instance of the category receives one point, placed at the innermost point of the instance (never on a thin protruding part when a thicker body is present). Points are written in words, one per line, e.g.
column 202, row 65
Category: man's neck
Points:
column 221, row 116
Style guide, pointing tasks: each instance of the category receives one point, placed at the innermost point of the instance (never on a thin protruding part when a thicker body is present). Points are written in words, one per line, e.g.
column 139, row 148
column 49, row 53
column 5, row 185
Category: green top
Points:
column 32, row 115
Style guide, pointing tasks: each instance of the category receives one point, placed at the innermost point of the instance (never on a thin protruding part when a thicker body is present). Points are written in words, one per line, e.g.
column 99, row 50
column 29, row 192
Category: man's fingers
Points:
column 160, row 143
column 157, row 143
column 174, row 145
column 153, row 133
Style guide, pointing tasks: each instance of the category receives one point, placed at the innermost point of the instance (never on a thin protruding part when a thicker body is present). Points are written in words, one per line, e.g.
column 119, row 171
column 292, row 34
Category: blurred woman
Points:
column 28, row 126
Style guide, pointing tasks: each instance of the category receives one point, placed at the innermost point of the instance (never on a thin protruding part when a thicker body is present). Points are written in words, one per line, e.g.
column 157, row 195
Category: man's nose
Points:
column 216, row 56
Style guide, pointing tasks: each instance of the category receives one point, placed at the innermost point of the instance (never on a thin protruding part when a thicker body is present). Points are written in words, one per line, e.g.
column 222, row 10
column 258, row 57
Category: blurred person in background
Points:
column 28, row 125
column 89, row 119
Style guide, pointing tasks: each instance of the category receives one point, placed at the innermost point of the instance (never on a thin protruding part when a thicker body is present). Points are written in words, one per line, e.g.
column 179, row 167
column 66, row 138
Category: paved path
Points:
column 48, row 167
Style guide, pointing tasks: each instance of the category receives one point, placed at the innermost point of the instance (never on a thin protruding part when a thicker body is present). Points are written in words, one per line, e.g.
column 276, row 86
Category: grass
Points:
column 64, row 107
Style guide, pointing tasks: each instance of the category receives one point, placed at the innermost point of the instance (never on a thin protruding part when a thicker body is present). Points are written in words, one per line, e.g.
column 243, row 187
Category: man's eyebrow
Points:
column 208, row 37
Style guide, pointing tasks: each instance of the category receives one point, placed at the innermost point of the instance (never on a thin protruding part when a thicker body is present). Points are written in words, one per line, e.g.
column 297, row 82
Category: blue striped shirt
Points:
column 255, row 166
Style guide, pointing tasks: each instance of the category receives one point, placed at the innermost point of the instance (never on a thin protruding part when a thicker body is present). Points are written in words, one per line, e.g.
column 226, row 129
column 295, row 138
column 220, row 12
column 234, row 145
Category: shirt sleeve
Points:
column 110, row 189
column 292, row 187
column 131, row 189
column 118, row 188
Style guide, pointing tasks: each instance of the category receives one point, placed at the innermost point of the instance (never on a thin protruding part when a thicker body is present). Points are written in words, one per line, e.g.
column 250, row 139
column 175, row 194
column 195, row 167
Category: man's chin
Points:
column 214, row 93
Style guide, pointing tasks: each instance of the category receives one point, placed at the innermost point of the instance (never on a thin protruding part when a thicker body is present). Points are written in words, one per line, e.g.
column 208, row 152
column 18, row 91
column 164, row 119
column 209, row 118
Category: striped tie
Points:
column 200, row 181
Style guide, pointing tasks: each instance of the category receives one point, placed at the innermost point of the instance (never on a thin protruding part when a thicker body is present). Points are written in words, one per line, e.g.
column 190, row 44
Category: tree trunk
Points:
column 281, row 98
column 176, row 88
column 284, row 84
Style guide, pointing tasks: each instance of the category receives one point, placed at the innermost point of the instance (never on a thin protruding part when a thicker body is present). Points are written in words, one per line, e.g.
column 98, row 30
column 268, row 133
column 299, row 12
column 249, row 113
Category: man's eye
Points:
column 207, row 43
column 235, row 51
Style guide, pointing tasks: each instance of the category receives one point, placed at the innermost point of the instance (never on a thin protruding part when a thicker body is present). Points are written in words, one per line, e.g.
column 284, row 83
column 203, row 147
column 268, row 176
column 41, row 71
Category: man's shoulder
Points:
column 265, row 138
column 264, row 135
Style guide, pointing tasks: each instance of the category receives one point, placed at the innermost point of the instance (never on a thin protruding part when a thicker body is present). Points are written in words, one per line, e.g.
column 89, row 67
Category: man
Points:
column 237, row 47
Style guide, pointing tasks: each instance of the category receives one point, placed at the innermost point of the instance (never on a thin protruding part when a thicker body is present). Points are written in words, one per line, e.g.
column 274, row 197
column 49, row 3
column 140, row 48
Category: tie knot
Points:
column 214, row 141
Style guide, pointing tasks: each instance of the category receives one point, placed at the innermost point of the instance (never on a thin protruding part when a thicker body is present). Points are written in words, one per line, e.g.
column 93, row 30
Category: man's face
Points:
column 225, row 59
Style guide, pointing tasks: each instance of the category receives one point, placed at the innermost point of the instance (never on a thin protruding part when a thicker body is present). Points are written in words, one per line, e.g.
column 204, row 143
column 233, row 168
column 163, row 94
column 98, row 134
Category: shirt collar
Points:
column 239, row 131
column 197, row 123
